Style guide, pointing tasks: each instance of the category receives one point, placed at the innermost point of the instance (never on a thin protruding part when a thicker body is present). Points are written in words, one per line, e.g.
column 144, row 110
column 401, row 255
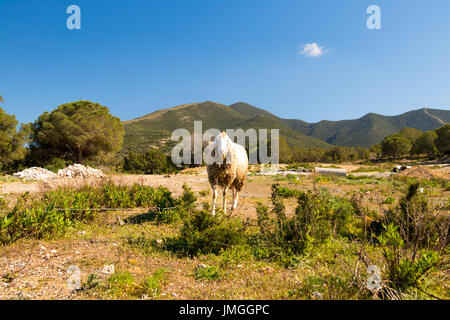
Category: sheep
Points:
column 228, row 170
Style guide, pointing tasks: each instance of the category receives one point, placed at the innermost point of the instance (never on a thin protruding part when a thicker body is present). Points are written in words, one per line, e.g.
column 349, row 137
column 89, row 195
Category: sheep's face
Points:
column 223, row 143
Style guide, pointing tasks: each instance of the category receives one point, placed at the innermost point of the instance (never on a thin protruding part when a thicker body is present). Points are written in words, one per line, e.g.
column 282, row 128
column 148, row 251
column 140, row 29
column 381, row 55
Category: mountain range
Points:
column 154, row 129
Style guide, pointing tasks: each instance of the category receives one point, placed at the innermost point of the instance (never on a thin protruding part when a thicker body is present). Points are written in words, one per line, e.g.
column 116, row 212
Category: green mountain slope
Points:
column 371, row 128
column 251, row 111
column 154, row 130
column 292, row 137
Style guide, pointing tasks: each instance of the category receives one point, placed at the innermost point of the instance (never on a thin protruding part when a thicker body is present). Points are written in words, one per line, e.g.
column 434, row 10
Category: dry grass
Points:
column 42, row 274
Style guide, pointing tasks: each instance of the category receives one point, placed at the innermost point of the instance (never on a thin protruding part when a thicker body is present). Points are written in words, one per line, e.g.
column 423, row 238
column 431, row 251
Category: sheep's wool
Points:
column 233, row 171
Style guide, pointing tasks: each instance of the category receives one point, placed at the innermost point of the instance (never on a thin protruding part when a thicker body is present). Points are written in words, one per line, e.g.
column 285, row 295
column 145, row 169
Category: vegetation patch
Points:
column 57, row 210
column 122, row 285
column 207, row 273
column 203, row 233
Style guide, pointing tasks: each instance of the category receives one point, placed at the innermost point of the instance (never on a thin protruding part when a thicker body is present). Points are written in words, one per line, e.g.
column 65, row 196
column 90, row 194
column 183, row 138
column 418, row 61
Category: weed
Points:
column 153, row 284
column 3, row 203
column 90, row 282
column 404, row 268
column 208, row 273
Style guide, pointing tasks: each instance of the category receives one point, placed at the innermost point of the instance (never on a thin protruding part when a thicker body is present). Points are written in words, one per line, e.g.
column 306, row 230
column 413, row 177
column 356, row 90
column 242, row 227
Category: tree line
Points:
column 74, row 132
column 414, row 143
column 85, row 131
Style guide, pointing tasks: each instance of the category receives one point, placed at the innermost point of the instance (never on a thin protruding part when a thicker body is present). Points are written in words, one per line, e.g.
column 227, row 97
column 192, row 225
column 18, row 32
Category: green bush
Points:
column 168, row 211
column 152, row 285
column 288, row 193
column 58, row 209
column 208, row 273
column 317, row 217
column 204, row 233
column 55, row 164
column 389, row 200
column 3, row 203
column 35, row 222
column 123, row 285
column 165, row 216
column 418, row 222
column 406, row 268
column 151, row 162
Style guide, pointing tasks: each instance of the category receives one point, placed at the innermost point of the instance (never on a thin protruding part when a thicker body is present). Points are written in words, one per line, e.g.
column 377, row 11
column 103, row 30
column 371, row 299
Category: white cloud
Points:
column 312, row 50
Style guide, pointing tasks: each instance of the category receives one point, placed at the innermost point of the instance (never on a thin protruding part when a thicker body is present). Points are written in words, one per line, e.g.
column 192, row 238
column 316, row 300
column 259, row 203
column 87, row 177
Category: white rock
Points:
column 78, row 170
column 35, row 173
column 108, row 269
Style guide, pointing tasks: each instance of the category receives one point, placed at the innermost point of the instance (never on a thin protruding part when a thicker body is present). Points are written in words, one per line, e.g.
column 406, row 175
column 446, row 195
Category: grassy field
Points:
column 167, row 254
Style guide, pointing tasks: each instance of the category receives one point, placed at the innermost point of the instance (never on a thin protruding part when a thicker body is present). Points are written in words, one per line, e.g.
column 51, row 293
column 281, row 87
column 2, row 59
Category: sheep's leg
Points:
column 214, row 189
column 235, row 199
column 225, row 189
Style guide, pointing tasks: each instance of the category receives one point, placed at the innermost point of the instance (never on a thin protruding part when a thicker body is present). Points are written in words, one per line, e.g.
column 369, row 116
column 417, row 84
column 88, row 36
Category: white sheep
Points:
column 228, row 170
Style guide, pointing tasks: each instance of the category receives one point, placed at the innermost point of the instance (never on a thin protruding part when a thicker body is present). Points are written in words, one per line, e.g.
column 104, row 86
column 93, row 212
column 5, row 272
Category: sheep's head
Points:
column 223, row 143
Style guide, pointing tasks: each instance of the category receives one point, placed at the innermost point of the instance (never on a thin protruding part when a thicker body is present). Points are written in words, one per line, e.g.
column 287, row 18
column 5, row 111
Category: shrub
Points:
column 281, row 231
column 59, row 209
column 208, row 273
column 90, row 283
column 418, row 222
column 288, row 193
column 204, row 233
column 165, row 216
column 55, row 164
column 3, row 203
column 153, row 284
column 36, row 222
column 406, row 268
column 169, row 211
column 188, row 198
column 317, row 215
column 123, row 285
column 151, row 162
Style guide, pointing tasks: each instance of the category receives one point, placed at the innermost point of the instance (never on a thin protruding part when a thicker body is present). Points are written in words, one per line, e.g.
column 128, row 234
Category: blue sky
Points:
column 138, row 56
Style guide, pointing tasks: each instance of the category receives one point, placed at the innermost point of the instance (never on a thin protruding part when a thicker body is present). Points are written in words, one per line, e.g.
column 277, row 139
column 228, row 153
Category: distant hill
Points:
column 371, row 128
column 154, row 129
column 365, row 131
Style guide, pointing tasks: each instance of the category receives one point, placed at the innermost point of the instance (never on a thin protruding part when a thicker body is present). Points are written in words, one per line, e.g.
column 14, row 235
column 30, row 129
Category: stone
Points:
column 108, row 269
column 80, row 171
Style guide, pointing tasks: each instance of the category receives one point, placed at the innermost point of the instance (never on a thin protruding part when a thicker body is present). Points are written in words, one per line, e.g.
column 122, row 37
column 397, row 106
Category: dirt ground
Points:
column 38, row 269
